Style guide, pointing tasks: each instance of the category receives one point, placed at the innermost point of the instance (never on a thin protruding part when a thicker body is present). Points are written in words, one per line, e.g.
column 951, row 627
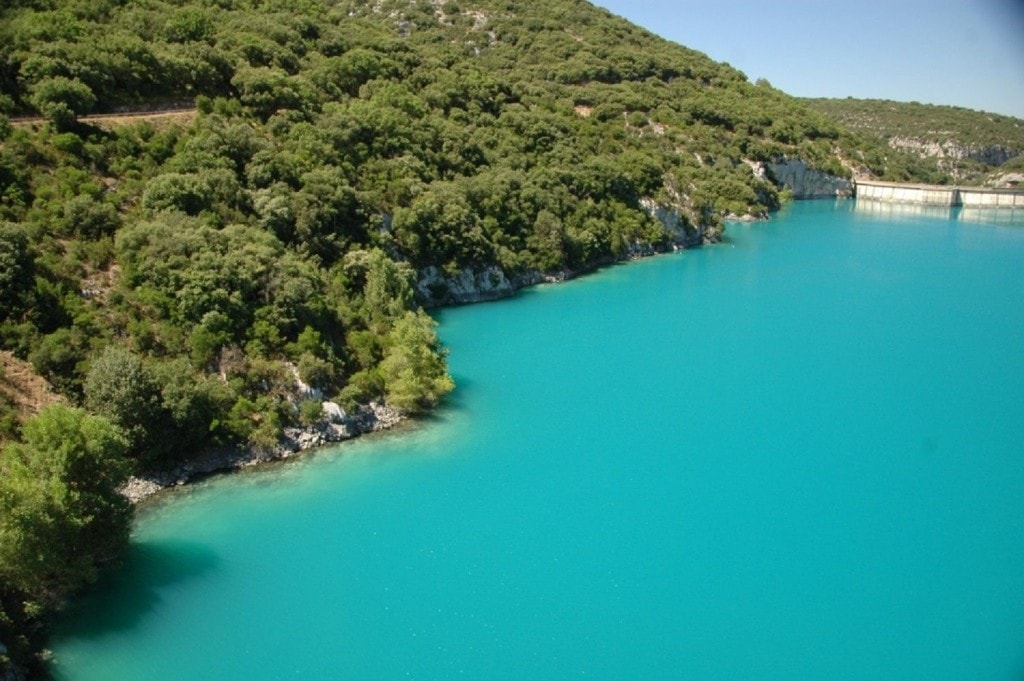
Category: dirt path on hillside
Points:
column 172, row 116
column 24, row 387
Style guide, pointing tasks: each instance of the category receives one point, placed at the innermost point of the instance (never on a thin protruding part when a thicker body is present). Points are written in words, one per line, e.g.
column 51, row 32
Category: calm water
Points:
column 797, row 455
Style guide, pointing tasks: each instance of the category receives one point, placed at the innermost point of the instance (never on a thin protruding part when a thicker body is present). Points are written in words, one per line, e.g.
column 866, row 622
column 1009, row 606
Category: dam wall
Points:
column 922, row 194
column 972, row 197
column 937, row 195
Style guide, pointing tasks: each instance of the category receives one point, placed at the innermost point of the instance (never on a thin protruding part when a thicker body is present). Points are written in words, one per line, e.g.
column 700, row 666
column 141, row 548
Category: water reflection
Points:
column 893, row 211
column 998, row 216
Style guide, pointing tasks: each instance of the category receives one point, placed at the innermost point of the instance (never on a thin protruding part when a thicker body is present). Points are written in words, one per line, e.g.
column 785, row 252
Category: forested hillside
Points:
column 970, row 147
column 172, row 281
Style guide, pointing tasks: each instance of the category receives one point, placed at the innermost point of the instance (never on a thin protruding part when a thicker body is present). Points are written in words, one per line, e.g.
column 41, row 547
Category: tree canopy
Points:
column 61, row 514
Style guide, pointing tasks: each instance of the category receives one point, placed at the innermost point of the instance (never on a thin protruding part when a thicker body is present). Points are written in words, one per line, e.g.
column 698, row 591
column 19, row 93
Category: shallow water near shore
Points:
column 794, row 455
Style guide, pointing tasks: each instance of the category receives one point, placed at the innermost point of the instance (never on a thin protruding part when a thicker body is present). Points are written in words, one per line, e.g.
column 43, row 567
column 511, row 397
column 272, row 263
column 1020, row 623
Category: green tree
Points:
column 264, row 90
column 62, row 99
column 61, row 516
column 414, row 368
column 388, row 290
column 89, row 218
column 57, row 357
column 190, row 404
column 548, row 242
column 120, row 388
column 15, row 268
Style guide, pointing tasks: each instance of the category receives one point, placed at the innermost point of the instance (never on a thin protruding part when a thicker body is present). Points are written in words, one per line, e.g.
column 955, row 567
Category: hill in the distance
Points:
column 972, row 147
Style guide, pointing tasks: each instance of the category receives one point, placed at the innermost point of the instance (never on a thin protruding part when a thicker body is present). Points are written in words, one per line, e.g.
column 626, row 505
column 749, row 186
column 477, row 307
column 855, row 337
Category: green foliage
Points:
column 89, row 218
column 120, row 388
column 174, row 277
column 340, row 150
column 16, row 265
column 413, row 370
column 62, row 99
column 387, row 292
column 314, row 371
column 58, row 358
column 926, row 122
column 310, row 411
column 61, row 516
column 190, row 405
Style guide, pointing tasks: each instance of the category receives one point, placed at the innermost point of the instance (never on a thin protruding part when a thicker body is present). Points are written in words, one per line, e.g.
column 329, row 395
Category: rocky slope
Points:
column 968, row 146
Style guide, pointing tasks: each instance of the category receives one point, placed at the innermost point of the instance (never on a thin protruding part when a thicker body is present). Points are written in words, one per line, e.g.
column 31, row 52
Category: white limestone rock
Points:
column 808, row 183
column 332, row 412
column 683, row 233
column 468, row 286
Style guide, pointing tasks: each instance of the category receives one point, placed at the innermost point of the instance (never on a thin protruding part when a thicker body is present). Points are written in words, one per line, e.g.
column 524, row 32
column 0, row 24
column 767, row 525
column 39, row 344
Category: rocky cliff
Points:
column 805, row 182
column 992, row 155
column 469, row 285
column 334, row 425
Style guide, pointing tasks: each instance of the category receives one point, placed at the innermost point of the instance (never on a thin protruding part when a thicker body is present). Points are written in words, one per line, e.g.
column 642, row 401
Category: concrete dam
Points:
column 938, row 195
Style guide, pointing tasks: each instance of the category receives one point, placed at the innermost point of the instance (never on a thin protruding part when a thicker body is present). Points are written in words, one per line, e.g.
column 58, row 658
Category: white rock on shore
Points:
column 335, row 425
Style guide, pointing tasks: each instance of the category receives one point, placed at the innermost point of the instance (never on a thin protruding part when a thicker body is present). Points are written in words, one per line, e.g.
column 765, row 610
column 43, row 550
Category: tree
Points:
column 414, row 369
column 547, row 242
column 264, row 90
column 190, row 404
column 61, row 515
column 15, row 268
column 388, row 291
column 62, row 99
column 89, row 218
column 120, row 388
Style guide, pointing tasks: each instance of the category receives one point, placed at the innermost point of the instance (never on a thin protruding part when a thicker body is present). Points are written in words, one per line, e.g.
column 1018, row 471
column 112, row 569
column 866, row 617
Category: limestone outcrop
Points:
column 472, row 285
column 672, row 219
column 993, row 155
column 807, row 183
column 1009, row 180
column 434, row 288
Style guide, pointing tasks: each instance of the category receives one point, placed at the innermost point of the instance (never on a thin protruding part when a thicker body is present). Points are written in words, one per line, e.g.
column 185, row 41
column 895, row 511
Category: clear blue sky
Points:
column 961, row 52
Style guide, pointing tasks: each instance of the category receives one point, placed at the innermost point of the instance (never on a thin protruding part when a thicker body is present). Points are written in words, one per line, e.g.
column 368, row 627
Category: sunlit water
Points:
column 796, row 455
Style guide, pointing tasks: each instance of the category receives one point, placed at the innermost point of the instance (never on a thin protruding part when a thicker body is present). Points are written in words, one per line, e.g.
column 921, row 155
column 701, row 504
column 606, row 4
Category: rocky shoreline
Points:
column 335, row 425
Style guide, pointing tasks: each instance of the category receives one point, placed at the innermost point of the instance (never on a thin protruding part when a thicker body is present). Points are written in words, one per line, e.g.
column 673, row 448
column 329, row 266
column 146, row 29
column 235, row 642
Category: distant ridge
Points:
column 972, row 147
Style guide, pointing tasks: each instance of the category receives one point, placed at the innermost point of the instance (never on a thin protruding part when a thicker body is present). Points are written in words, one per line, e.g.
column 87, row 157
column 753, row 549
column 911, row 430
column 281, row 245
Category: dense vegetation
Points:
column 950, row 143
column 173, row 280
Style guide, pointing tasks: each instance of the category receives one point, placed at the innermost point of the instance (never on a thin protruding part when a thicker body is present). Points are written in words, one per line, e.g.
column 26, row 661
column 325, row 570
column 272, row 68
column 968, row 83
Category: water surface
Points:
column 795, row 455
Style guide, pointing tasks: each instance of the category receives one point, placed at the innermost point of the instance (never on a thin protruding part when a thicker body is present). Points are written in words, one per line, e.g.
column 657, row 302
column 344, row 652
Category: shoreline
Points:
column 333, row 427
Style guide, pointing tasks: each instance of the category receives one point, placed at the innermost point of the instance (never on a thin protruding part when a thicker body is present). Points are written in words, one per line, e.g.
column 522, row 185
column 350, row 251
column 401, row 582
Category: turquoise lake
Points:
column 796, row 455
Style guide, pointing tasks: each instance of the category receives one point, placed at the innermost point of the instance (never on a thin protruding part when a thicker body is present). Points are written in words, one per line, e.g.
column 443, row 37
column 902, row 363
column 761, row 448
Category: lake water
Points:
column 795, row 455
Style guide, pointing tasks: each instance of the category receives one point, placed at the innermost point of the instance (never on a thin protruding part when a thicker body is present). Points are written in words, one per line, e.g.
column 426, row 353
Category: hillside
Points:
column 22, row 394
column 973, row 147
